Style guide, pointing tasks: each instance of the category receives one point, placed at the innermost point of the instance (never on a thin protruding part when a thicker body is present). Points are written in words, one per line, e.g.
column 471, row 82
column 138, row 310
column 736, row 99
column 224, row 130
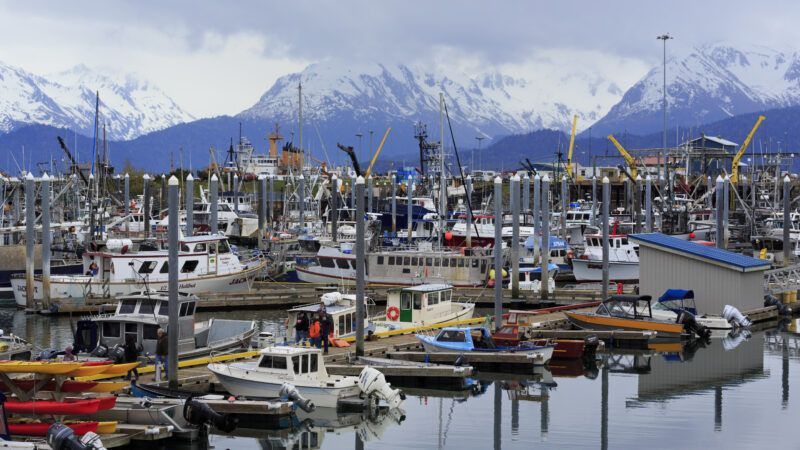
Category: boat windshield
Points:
column 451, row 336
column 618, row 308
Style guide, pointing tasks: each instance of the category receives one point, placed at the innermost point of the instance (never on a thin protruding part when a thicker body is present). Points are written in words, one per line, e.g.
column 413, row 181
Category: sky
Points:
column 217, row 58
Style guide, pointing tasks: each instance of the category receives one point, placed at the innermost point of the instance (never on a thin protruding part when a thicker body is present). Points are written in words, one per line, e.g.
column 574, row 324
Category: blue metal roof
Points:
column 723, row 257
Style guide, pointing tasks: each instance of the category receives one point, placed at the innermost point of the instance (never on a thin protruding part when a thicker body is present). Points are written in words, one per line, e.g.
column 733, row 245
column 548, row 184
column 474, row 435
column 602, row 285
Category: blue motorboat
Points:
column 467, row 340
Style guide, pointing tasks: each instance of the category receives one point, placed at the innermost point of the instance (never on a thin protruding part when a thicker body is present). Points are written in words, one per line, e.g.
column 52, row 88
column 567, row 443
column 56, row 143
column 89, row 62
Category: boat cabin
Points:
column 465, row 339
column 627, row 306
column 419, row 304
column 341, row 308
column 293, row 363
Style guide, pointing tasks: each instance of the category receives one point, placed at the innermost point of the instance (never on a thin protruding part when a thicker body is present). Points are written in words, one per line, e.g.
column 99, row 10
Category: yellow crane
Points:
column 738, row 156
column 377, row 152
column 628, row 158
column 571, row 146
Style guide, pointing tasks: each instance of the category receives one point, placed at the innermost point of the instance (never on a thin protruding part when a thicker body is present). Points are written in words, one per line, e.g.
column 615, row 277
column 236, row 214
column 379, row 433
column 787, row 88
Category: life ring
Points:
column 392, row 313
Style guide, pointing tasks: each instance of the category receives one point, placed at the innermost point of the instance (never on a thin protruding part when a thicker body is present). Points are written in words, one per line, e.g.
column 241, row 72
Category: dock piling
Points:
column 648, row 204
column 409, row 218
column 537, row 202
column 334, row 207
column 214, row 200
column 498, row 253
column 360, row 266
column 236, row 193
column 606, row 216
column 787, row 246
column 172, row 332
column 189, row 204
column 468, row 191
column 127, row 200
column 564, row 206
column 526, row 194
column 369, row 193
column 146, row 206
column 301, row 195
column 637, row 204
column 720, row 225
column 594, row 200
column 514, row 194
column 30, row 217
column 394, row 203
column 544, row 292
column 262, row 209
column 47, row 240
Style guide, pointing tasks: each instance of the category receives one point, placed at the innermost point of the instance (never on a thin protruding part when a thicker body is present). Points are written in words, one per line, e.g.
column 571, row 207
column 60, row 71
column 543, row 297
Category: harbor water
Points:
column 729, row 393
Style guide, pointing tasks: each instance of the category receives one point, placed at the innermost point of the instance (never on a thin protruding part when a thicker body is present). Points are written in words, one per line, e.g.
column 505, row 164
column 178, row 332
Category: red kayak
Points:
column 105, row 402
column 98, row 363
column 40, row 429
column 50, row 407
column 67, row 386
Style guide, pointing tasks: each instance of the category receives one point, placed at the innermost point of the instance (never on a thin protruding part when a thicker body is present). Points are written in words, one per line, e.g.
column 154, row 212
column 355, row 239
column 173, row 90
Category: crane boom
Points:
column 738, row 156
column 628, row 158
column 352, row 154
column 571, row 147
column 72, row 159
column 377, row 152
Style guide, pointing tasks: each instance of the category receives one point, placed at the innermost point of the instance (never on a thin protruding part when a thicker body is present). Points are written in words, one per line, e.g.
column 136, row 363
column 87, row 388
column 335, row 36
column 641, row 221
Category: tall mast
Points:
column 300, row 115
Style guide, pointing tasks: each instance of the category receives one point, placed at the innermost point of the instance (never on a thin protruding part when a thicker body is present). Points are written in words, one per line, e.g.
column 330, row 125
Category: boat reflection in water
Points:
column 308, row 430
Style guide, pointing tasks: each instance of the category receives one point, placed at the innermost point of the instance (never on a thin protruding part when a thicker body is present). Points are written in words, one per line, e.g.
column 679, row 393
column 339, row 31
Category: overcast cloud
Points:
column 218, row 57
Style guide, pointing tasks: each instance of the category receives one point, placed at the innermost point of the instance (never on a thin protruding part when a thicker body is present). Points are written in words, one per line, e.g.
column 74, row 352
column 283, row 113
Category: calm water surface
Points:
column 728, row 394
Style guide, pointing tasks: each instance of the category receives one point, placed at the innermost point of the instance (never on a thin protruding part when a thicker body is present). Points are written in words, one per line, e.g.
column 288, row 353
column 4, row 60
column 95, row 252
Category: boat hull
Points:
column 606, row 323
column 592, row 270
column 539, row 355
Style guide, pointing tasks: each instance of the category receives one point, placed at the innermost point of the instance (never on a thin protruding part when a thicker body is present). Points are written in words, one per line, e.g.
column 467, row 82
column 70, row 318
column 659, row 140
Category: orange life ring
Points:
column 392, row 313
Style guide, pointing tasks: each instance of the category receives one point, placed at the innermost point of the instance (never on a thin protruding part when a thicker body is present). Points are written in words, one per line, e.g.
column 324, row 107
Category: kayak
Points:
column 105, row 402
column 40, row 428
column 50, row 368
column 50, row 407
column 108, row 386
column 89, row 370
column 121, row 369
column 106, row 427
column 66, row 386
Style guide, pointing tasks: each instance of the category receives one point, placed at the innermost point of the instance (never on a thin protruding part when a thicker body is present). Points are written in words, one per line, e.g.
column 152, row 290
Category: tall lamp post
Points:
column 664, row 38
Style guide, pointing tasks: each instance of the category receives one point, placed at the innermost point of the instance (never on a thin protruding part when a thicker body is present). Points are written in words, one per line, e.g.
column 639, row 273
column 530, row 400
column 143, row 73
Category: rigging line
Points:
column 460, row 169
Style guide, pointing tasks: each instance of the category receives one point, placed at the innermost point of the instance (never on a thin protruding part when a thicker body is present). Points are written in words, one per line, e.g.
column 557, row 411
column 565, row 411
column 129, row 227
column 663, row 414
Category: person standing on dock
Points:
column 326, row 325
column 301, row 328
column 162, row 349
column 132, row 350
column 313, row 333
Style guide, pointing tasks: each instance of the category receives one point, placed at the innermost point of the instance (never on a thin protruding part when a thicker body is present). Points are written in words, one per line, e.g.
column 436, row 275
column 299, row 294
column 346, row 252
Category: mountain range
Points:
column 712, row 89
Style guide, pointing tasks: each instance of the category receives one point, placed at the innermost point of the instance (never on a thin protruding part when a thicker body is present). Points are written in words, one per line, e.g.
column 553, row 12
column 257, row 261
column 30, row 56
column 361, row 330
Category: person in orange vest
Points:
column 313, row 333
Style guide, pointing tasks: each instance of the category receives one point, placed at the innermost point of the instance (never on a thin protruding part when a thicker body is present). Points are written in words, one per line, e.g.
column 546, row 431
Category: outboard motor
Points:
column 62, row 437
column 48, row 353
column 290, row 392
column 733, row 315
column 199, row 413
column 590, row 345
column 690, row 324
column 101, row 351
column 372, row 382
column 771, row 300
column 117, row 354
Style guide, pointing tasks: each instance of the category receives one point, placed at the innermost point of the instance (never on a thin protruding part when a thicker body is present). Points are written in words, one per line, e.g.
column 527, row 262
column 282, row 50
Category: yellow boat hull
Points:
column 106, row 427
column 48, row 368
column 87, row 371
column 608, row 323
column 107, row 387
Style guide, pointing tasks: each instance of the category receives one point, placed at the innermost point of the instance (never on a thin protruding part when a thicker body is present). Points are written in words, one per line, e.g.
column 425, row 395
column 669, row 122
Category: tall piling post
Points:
column 173, row 332
column 353, row 192
column 214, row 201
column 526, row 194
column 718, row 212
column 47, row 240
column 92, row 213
column 594, row 200
column 637, row 204
column 262, row 209
column 334, row 208
column 537, row 225
column 189, row 205
column 394, row 203
column 710, row 197
column 369, row 194
column 468, row 192
column 361, row 260
column 564, row 206
column 146, row 205
column 498, row 253
column 127, row 200
column 514, row 194
column 236, row 193
column 30, row 238
column 544, row 292
column 302, row 202
column 410, row 217
column 648, row 204
column 606, row 248
column 726, row 203
column 787, row 246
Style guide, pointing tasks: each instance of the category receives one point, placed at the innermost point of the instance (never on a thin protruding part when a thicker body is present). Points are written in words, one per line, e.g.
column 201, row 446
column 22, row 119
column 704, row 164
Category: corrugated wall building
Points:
column 717, row 277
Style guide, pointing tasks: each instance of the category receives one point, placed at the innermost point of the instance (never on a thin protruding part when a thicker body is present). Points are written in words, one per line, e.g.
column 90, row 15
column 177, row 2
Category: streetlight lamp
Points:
column 664, row 38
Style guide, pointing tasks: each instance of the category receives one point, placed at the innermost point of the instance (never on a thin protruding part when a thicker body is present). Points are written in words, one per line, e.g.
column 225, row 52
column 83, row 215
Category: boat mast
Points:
column 442, row 176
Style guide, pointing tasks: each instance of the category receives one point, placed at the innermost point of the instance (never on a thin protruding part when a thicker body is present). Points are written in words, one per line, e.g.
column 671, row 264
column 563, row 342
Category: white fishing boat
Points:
column 121, row 267
column 623, row 259
column 305, row 369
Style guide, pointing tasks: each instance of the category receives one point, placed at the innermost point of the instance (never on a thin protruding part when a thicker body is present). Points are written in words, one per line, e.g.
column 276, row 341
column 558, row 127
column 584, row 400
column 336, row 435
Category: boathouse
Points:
column 717, row 277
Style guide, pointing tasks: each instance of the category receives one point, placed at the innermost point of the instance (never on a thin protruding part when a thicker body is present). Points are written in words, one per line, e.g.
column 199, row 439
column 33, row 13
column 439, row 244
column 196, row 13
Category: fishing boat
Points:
column 406, row 308
column 305, row 369
column 466, row 340
column 626, row 312
column 141, row 315
column 623, row 259
column 121, row 267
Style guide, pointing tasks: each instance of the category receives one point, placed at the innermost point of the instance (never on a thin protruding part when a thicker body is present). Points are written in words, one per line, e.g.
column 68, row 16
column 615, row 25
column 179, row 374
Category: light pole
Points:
column 664, row 38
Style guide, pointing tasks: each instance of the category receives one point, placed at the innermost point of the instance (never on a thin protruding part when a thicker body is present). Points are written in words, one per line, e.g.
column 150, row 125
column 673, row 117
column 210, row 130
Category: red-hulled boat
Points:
column 50, row 407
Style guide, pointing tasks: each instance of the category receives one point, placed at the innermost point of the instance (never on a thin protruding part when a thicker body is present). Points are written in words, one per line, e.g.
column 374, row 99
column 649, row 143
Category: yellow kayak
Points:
column 121, row 369
column 108, row 386
column 87, row 371
column 50, row 368
column 106, row 427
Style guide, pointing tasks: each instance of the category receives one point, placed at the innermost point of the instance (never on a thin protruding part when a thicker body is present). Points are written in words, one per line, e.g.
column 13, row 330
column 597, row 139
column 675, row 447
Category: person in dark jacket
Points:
column 132, row 351
column 326, row 326
column 162, row 350
column 301, row 328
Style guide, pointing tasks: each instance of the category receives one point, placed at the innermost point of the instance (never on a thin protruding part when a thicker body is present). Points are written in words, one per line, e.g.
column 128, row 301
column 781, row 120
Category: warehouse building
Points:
column 717, row 277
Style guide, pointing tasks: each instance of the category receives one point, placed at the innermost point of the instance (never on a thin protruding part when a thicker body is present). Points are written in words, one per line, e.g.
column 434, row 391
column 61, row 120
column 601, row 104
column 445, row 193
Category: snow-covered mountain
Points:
column 365, row 95
column 129, row 107
column 709, row 83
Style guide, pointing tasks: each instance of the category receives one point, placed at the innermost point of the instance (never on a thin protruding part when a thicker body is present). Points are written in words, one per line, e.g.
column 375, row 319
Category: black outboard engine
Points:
column 690, row 324
column 62, row 437
column 199, row 413
column 771, row 300
column 48, row 353
column 117, row 354
column 590, row 345
column 101, row 351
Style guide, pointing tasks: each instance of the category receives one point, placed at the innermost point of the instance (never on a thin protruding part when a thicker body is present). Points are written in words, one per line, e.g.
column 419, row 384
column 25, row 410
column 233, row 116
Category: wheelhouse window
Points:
column 451, row 336
column 111, row 329
column 127, row 306
column 164, row 267
column 200, row 248
column 380, row 260
column 313, row 363
column 184, row 309
column 417, row 300
column 327, row 262
column 146, row 306
column 405, row 300
column 391, row 260
column 189, row 266
column 148, row 267
column 342, row 263
column 414, row 261
column 223, row 246
column 150, row 332
column 407, row 261
column 272, row 362
column 163, row 309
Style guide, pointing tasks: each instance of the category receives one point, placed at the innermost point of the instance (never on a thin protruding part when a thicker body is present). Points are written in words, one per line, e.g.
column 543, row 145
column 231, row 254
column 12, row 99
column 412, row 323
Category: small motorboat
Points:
column 305, row 369
column 677, row 301
column 633, row 313
column 514, row 335
column 466, row 340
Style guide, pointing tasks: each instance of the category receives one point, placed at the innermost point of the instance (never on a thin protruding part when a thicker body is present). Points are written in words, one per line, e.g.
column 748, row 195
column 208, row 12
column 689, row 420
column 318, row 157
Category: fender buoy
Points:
column 392, row 313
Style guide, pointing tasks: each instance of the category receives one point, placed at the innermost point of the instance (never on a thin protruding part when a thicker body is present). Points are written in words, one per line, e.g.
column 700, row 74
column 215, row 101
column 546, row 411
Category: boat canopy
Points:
column 678, row 300
column 676, row 294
